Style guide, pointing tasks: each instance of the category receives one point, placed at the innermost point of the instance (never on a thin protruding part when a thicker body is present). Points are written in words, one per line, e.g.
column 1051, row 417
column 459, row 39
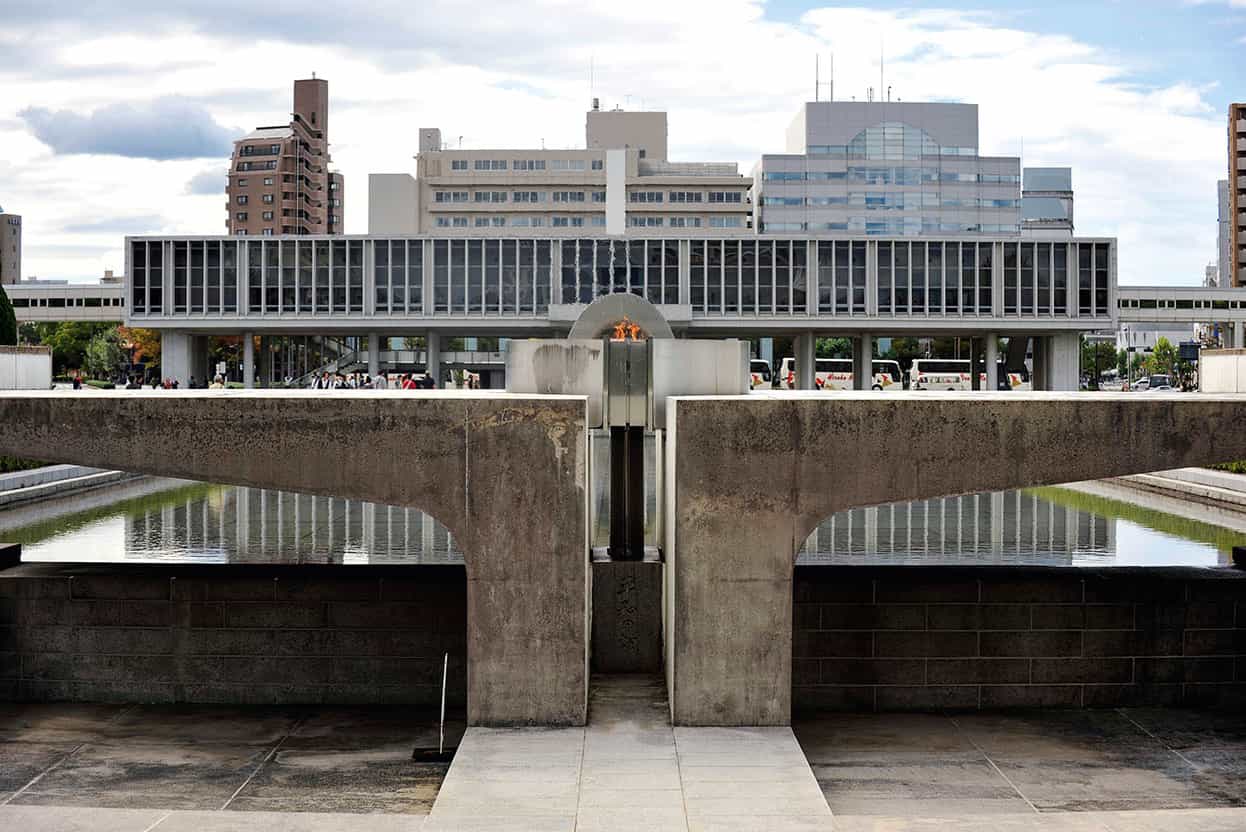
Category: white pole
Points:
column 441, row 742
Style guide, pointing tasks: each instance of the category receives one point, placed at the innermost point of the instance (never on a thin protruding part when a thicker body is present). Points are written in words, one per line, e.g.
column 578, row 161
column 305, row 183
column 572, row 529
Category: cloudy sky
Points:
column 117, row 119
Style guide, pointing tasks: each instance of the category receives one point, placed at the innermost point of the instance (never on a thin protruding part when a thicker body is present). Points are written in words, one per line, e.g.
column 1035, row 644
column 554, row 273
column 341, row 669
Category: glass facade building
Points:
column 172, row 280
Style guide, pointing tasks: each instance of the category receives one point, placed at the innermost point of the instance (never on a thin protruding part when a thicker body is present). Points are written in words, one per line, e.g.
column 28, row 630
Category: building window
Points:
column 242, row 200
column 458, row 164
column 567, row 164
column 725, row 196
column 450, row 196
column 646, row 222
column 443, row 222
column 268, row 180
column 460, row 222
column 568, row 196
column 528, row 164
column 598, row 221
column 490, row 164
column 267, row 215
column 241, row 216
column 599, row 196
column 684, row 196
column 482, row 222
column 267, row 198
column 528, row 196
column 537, row 222
column 726, row 222
column 598, row 164
column 497, row 222
column 242, row 183
column 267, row 232
column 684, row 222
column 645, row 196
column 489, row 196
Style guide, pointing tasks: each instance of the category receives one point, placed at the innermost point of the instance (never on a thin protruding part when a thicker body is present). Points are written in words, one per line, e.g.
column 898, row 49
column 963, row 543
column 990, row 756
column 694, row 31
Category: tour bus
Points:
column 953, row 374
column 837, row 374
column 758, row 374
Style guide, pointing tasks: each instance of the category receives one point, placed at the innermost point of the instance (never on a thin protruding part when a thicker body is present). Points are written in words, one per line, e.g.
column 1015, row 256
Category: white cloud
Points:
column 514, row 75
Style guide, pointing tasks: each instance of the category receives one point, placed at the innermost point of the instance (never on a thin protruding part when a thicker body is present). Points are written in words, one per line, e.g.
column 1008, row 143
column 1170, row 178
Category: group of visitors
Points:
column 364, row 381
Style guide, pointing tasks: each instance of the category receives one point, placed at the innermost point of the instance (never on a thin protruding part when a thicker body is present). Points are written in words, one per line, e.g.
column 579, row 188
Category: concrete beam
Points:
column 750, row 477
column 506, row 474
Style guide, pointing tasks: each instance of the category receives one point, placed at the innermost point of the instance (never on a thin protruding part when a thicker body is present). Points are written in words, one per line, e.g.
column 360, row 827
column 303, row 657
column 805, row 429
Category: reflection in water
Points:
column 1041, row 526
column 227, row 524
column 1094, row 525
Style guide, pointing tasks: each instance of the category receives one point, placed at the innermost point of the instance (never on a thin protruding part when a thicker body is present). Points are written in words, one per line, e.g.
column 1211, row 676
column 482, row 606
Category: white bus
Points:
column 953, row 374
column 837, row 374
column 758, row 374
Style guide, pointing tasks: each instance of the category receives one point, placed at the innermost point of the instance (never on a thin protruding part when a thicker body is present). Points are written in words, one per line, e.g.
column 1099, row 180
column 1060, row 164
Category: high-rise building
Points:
column 886, row 168
column 1224, row 245
column 1047, row 202
column 1237, row 196
column 10, row 247
column 620, row 182
column 279, row 177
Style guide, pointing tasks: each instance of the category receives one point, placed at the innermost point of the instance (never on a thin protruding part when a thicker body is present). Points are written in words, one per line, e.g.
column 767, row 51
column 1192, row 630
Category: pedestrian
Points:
column 380, row 382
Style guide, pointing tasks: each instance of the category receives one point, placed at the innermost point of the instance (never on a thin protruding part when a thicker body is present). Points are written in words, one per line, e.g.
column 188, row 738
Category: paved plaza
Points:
column 211, row 769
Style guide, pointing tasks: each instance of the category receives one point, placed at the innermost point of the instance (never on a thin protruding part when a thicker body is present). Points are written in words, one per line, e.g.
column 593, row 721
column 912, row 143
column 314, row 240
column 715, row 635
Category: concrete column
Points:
column 863, row 362
column 432, row 360
column 199, row 359
column 1038, row 373
column 262, row 363
column 248, row 360
column 805, row 351
column 175, row 357
column 1239, row 335
column 975, row 363
column 992, row 361
column 1064, row 365
column 765, row 348
column 374, row 354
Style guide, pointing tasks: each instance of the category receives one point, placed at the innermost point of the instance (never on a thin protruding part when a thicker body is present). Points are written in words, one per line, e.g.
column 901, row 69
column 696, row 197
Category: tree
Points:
column 833, row 348
column 1097, row 357
column 8, row 322
column 68, row 340
column 103, row 355
column 1122, row 363
column 145, row 342
column 1163, row 358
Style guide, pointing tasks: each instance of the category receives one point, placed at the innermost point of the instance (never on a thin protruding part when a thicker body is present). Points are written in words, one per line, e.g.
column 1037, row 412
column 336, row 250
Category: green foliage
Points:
column 103, row 355
column 99, row 385
column 1163, row 358
column 9, row 464
column 833, row 348
column 1097, row 357
column 8, row 323
column 1122, row 362
column 68, row 340
column 1231, row 467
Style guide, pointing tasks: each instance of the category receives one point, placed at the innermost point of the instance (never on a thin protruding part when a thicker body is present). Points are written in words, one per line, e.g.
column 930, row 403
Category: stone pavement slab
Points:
column 626, row 771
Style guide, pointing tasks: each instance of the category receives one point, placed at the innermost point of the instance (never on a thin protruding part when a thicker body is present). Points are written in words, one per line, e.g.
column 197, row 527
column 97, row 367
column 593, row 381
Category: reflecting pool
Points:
column 162, row 521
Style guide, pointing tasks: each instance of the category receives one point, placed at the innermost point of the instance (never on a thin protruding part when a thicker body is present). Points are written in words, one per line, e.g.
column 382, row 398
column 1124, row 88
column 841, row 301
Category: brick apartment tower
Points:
column 1237, row 197
column 279, row 177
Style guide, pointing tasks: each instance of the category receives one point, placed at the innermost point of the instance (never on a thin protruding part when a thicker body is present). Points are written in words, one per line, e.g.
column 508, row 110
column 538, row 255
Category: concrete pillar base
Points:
column 863, row 362
column 805, row 346
column 248, row 360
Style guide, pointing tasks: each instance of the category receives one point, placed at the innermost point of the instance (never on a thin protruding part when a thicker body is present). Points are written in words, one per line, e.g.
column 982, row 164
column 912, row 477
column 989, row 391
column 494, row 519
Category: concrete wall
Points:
column 25, row 368
column 273, row 635
column 393, row 204
column 752, row 476
column 505, row 474
column 929, row 638
column 1222, row 371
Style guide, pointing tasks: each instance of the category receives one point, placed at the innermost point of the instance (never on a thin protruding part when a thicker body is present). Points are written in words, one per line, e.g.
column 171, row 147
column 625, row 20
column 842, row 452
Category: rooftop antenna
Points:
column 882, row 61
column 817, row 83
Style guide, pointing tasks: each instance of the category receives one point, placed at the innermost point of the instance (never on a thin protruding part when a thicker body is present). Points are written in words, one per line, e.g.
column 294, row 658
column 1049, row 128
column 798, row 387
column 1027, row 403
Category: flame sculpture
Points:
column 627, row 329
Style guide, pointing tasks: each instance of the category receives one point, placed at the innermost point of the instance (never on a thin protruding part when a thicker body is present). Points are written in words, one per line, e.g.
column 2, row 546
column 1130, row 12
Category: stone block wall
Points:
column 232, row 634
column 930, row 638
